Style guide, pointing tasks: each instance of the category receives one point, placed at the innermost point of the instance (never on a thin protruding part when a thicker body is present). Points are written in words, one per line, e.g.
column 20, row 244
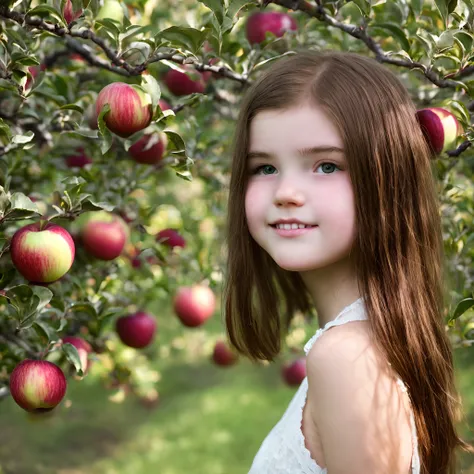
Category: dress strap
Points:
column 353, row 312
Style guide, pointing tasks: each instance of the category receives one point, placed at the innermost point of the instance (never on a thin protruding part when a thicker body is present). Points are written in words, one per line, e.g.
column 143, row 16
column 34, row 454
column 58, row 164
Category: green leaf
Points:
column 46, row 10
column 75, row 107
column 364, row 6
column 82, row 132
column 190, row 38
column 216, row 6
column 151, row 86
column 106, row 142
column 443, row 10
column 83, row 307
column 461, row 308
column 45, row 331
column 396, row 31
column 21, row 139
column 73, row 357
column 20, row 201
column 416, row 6
column 44, row 294
column 21, row 207
column 90, row 205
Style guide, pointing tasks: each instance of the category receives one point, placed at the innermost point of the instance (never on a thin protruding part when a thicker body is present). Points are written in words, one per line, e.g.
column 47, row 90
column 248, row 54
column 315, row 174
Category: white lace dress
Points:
column 283, row 451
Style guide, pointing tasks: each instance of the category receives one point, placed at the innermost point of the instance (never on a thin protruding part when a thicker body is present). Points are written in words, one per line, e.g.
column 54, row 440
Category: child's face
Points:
column 315, row 189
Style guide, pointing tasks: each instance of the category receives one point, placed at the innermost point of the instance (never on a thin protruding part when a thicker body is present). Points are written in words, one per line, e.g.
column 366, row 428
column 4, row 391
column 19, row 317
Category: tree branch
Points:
column 119, row 65
column 318, row 11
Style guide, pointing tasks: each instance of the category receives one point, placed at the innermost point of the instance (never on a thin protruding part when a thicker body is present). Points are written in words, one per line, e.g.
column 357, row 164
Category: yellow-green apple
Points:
column 260, row 23
column 136, row 330
column 37, row 385
column 83, row 348
column 104, row 235
column 41, row 252
column 69, row 14
column 149, row 149
column 194, row 304
column 111, row 9
column 130, row 108
column 180, row 83
column 440, row 128
column 223, row 354
column 78, row 160
column 294, row 373
column 170, row 238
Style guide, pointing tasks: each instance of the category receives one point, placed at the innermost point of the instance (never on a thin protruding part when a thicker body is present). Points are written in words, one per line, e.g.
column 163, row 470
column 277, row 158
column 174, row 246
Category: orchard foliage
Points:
column 115, row 124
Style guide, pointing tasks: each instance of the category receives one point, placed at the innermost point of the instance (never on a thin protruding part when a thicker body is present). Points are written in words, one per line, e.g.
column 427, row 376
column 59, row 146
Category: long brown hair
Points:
column 398, row 247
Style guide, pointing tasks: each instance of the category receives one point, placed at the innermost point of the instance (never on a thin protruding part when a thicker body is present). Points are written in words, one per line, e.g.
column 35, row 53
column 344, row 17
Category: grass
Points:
column 208, row 420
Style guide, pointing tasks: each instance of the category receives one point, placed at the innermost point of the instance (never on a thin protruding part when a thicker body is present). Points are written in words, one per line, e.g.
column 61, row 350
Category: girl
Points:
column 333, row 203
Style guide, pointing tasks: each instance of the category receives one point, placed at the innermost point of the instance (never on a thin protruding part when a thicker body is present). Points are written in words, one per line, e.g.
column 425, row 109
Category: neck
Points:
column 332, row 288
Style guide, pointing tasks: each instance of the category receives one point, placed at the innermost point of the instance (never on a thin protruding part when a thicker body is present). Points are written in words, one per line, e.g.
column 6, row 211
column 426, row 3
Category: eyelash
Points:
column 259, row 167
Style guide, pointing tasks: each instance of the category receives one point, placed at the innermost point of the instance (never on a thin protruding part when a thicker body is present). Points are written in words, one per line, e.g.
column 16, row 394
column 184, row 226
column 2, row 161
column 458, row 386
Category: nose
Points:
column 288, row 193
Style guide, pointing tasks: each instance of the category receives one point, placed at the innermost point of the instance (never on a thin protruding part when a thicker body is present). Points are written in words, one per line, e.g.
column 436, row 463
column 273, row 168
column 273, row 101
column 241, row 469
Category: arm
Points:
column 359, row 413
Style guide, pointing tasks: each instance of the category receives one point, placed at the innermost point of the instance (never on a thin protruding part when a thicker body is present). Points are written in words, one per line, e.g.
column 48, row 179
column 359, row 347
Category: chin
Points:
column 296, row 264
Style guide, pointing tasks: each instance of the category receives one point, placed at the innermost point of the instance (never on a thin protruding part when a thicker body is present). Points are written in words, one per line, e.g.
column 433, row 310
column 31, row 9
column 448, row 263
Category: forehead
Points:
column 298, row 127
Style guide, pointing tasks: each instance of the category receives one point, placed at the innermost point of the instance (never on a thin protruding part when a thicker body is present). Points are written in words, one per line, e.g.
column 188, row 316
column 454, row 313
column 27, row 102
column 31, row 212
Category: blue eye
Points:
column 267, row 168
column 330, row 164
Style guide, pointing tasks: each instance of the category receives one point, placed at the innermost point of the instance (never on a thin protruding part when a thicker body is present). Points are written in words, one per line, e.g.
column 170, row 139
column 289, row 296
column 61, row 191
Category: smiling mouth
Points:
column 292, row 226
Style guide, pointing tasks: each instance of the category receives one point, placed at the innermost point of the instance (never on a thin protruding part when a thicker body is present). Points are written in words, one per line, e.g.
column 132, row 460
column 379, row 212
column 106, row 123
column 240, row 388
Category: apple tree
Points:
column 115, row 124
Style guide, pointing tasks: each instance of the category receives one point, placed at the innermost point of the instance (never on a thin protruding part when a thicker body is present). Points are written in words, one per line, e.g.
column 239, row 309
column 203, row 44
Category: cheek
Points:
column 339, row 213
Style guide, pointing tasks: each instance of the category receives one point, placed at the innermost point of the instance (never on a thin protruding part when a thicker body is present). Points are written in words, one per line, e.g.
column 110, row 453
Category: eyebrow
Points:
column 314, row 150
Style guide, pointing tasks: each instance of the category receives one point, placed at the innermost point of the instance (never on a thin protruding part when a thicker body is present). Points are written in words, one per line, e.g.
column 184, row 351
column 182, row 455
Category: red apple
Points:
column 37, row 385
column 294, row 373
column 69, row 14
column 440, row 128
column 223, row 354
column 149, row 149
column 194, row 304
column 136, row 330
column 274, row 22
column 170, row 238
column 180, row 83
column 79, row 160
column 130, row 108
column 42, row 255
column 104, row 236
column 83, row 348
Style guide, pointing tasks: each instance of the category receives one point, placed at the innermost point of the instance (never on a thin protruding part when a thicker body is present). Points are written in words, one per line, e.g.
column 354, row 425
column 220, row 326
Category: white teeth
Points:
column 292, row 226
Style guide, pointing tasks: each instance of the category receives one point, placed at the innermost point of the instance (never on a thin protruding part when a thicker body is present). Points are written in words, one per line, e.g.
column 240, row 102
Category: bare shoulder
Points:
column 357, row 409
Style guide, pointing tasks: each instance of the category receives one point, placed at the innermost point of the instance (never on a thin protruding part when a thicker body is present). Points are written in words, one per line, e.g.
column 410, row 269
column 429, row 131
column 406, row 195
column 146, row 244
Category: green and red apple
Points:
column 103, row 234
column 180, row 83
column 42, row 252
column 260, row 23
column 130, row 108
column 149, row 149
column 37, row 385
column 194, row 305
column 440, row 127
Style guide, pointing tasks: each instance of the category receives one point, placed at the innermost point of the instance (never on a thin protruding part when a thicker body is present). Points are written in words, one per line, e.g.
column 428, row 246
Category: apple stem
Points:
column 43, row 223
